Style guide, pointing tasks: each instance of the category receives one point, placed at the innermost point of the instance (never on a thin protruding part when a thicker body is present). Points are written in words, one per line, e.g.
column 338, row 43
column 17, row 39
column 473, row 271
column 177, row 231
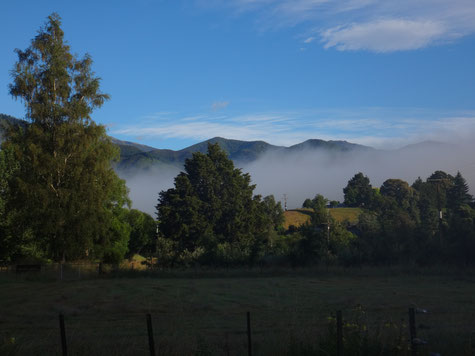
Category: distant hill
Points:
column 342, row 146
column 239, row 151
column 134, row 156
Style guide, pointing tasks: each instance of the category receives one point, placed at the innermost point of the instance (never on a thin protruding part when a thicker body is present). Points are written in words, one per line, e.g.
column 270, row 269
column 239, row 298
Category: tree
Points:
column 458, row 194
column 274, row 211
column 405, row 196
column 143, row 233
column 318, row 202
column 65, row 190
column 307, row 204
column 8, row 167
column 358, row 192
column 211, row 215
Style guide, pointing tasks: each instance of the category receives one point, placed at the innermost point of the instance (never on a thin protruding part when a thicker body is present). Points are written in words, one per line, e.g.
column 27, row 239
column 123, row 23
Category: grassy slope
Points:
column 107, row 316
column 346, row 214
column 298, row 217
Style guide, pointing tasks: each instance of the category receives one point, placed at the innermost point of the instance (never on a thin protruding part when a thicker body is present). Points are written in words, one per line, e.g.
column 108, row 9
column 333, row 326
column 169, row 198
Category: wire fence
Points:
column 206, row 330
column 166, row 334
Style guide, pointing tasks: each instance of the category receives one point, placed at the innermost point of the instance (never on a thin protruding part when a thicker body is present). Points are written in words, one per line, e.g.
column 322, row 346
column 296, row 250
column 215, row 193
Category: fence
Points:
column 217, row 324
column 69, row 328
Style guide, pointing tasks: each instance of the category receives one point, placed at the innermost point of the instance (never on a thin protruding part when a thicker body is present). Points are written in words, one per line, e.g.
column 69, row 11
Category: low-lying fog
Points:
column 307, row 173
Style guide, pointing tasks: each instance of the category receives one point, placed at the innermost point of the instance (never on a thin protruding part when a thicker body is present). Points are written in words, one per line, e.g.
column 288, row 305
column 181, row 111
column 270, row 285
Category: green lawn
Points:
column 205, row 312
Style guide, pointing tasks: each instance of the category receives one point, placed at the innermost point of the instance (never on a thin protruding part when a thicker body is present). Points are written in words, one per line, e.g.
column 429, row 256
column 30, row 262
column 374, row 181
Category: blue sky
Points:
column 376, row 72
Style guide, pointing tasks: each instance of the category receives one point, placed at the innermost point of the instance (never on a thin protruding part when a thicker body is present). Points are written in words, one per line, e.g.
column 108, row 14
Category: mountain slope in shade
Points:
column 240, row 152
column 134, row 156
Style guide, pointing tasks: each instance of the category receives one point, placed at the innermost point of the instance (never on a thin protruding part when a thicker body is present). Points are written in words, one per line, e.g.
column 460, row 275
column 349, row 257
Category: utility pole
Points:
column 439, row 207
column 285, row 202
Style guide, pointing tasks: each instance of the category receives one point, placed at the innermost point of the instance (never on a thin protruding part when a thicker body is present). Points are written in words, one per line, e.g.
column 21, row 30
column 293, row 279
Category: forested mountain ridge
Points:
column 136, row 156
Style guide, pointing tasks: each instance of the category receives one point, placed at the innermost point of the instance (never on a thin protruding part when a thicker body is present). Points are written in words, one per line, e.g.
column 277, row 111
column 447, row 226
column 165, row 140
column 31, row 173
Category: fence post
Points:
column 249, row 343
column 412, row 330
column 226, row 343
column 151, row 342
column 64, row 346
column 339, row 333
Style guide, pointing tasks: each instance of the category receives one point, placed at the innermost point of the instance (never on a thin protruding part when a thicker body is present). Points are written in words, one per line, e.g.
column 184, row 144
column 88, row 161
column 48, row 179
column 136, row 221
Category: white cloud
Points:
column 309, row 40
column 384, row 35
column 372, row 25
column 377, row 127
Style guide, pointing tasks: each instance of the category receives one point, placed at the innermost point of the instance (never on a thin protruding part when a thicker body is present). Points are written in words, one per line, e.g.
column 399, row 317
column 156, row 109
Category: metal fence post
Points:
column 412, row 330
column 249, row 341
column 339, row 333
column 64, row 346
column 151, row 342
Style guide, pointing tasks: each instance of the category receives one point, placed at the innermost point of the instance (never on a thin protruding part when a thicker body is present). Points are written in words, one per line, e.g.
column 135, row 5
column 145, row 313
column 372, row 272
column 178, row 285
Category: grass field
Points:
column 204, row 313
column 299, row 217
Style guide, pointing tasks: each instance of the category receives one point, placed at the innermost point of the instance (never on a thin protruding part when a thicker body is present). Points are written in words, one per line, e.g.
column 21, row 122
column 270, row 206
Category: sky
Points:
column 375, row 72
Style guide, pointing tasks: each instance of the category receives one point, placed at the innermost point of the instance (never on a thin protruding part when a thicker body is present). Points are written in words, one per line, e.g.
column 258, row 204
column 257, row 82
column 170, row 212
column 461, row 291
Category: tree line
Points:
column 430, row 222
column 60, row 198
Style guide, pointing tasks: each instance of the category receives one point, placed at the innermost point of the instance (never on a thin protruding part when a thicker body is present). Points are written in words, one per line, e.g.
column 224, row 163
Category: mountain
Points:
column 341, row 146
column 240, row 152
column 134, row 156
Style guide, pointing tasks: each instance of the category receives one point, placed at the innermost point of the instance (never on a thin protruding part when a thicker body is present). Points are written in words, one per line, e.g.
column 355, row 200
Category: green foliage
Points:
column 307, row 204
column 317, row 203
column 458, row 194
column 400, row 191
column 64, row 193
column 428, row 223
column 358, row 192
column 334, row 203
column 114, row 242
column 211, row 215
column 143, row 232
column 8, row 167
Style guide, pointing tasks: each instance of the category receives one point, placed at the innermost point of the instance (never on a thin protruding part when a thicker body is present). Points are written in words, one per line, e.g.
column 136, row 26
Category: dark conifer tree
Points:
column 211, row 215
column 458, row 194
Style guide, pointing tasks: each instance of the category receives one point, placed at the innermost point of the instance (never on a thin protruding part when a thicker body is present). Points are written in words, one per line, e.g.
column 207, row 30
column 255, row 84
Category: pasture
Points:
column 297, row 217
column 197, row 312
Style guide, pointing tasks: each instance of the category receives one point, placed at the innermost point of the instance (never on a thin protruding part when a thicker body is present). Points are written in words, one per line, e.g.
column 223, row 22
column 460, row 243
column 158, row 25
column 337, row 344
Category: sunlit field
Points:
column 298, row 217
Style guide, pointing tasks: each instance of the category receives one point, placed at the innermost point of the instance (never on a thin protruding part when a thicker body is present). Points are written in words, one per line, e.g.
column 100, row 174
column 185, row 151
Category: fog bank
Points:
column 307, row 173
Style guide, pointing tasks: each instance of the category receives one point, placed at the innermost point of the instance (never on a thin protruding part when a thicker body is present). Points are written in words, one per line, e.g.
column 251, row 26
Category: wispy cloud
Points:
column 218, row 105
column 384, row 35
column 372, row 25
column 377, row 127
